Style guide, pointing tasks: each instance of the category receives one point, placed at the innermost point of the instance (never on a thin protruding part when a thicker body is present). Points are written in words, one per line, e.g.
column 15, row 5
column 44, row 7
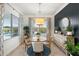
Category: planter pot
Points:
column 69, row 33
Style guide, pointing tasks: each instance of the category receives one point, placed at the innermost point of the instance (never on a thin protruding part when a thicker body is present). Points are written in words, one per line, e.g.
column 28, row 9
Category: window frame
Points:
column 11, row 24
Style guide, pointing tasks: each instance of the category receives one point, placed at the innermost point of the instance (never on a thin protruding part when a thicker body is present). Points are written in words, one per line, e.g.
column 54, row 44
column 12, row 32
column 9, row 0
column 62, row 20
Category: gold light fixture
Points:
column 39, row 21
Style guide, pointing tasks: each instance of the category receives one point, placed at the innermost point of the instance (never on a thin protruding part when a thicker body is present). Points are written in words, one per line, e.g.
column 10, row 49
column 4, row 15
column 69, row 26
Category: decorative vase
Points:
column 69, row 33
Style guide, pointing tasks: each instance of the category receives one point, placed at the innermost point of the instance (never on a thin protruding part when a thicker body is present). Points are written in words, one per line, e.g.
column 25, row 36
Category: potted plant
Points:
column 69, row 29
column 26, row 31
column 72, row 49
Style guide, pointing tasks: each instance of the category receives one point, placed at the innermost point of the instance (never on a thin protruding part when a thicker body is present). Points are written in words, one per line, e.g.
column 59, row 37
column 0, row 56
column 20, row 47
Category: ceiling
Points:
column 38, row 8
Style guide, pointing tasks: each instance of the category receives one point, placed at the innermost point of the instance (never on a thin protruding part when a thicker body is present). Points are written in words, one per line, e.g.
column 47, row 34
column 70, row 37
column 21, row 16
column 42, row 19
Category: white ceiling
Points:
column 33, row 8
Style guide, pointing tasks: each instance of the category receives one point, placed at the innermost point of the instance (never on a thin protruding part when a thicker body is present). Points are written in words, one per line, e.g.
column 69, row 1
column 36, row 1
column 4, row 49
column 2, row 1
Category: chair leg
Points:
column 25, row 47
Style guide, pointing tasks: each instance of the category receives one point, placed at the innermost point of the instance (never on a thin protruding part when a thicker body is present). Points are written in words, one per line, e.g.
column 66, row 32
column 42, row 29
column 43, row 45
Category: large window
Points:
column 39, row 25
column 14, row 26
column 10, row 26
column 7, row 26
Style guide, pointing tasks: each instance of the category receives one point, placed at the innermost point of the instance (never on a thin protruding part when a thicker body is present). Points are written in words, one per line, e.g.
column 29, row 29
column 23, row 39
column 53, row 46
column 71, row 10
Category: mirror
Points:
column 64, row 23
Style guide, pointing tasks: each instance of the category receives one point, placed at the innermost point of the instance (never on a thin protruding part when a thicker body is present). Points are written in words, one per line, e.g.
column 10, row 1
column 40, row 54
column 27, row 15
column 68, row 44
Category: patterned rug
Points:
column 46, row 51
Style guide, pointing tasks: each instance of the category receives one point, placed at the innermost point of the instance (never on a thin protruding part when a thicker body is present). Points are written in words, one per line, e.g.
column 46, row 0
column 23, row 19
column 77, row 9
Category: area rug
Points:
column 46, row 51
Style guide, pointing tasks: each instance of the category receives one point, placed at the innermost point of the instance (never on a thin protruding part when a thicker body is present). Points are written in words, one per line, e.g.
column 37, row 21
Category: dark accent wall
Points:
column 71, row 11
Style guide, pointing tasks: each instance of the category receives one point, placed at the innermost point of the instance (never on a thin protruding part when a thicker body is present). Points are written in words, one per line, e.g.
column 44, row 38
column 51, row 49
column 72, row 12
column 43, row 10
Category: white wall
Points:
column 25, row 21
column 11, row 44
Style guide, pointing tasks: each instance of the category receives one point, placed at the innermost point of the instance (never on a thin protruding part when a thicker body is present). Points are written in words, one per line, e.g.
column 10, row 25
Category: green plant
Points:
column 69, row 28
column 26, row 31
column 71, row 48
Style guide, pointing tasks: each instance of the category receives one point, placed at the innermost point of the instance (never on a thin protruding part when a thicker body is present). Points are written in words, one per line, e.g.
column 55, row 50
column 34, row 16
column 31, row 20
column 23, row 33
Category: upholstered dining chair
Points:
column 37, row 47
column 27, row 43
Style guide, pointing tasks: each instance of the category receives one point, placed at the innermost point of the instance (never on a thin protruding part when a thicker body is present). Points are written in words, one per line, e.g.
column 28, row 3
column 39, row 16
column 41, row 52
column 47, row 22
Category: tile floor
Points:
column 20, row 51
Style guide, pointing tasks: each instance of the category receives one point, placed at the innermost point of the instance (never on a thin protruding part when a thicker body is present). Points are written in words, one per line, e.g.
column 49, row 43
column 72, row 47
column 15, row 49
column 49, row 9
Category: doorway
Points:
column 40, row 25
